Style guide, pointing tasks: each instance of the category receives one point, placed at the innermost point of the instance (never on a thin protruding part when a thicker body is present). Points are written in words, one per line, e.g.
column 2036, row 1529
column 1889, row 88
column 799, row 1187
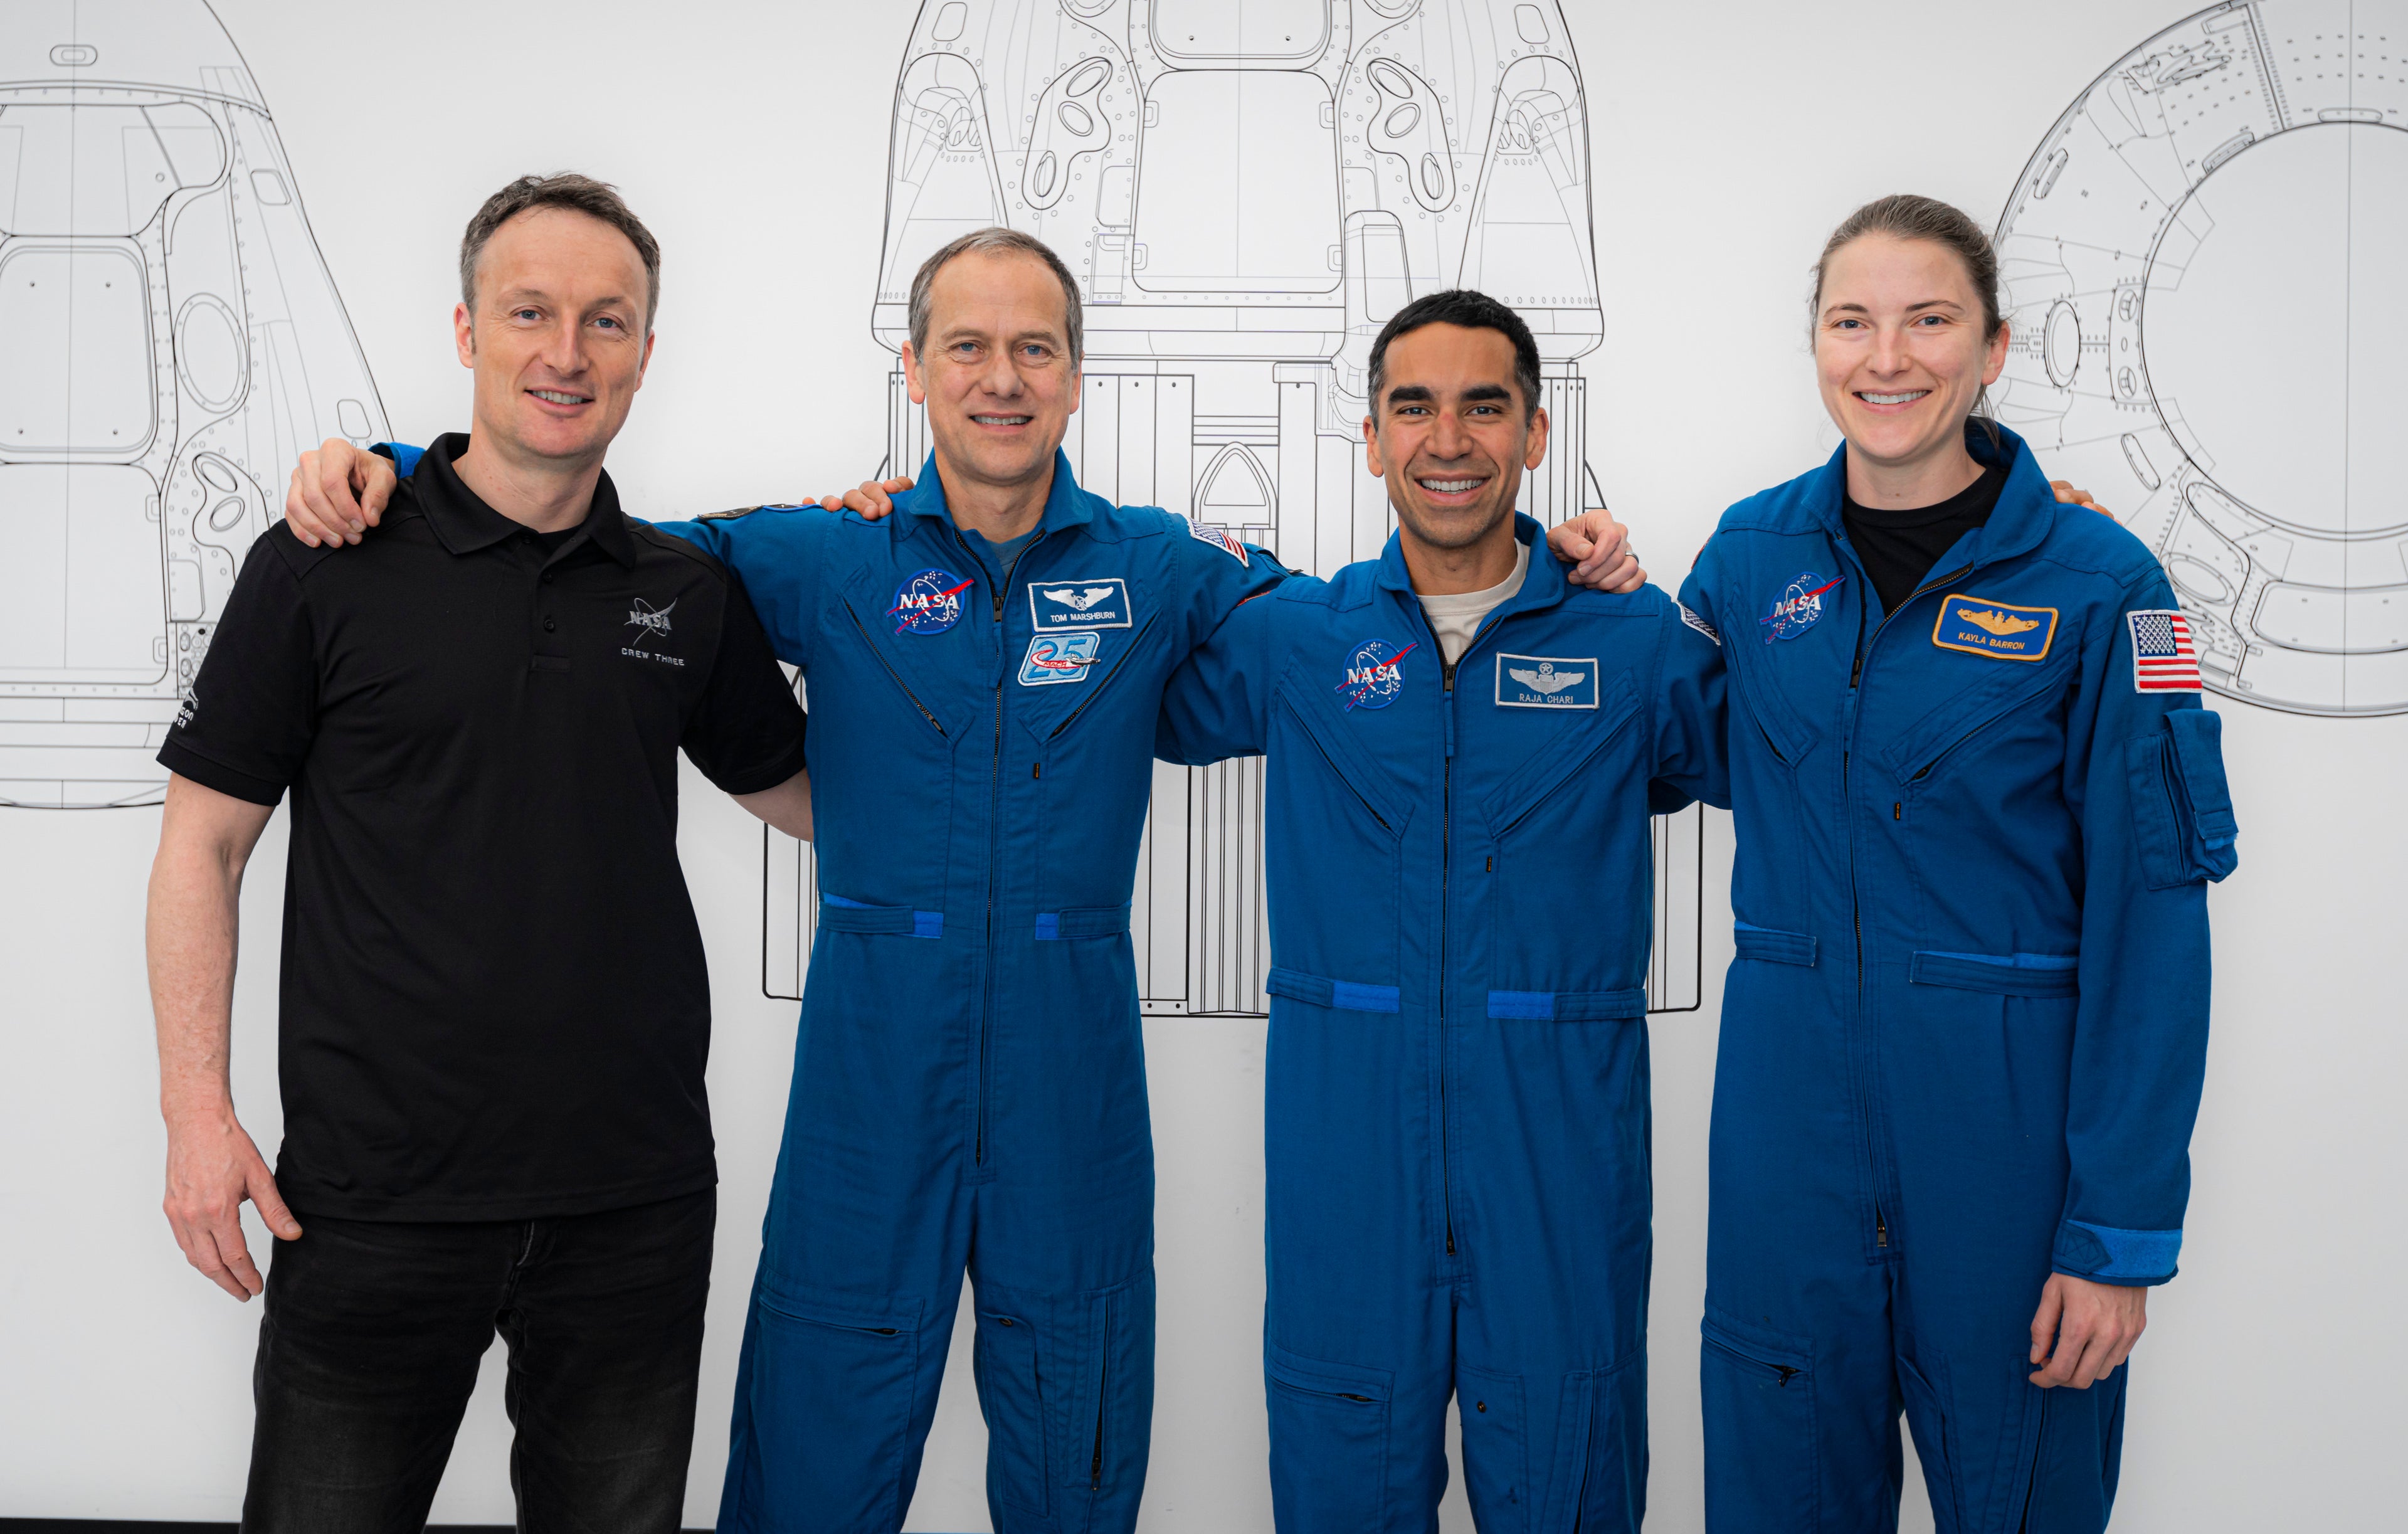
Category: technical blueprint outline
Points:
column 174, row 342
column 2203, row 268
column 1246, row 192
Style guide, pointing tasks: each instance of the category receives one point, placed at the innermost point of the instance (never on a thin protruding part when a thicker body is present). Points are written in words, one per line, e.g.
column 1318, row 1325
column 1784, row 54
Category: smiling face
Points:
column 557, row 339
column 998, row 379
column 1452, row 434
column 1900, row 350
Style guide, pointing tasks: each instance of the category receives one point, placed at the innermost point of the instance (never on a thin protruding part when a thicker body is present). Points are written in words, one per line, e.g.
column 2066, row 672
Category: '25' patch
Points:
column 1054, row 658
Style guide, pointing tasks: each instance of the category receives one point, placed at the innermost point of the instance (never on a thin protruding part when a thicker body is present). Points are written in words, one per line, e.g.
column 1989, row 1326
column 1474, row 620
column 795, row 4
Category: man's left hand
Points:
column 2083, row 1330
column 871, row 499
column 1597, row 549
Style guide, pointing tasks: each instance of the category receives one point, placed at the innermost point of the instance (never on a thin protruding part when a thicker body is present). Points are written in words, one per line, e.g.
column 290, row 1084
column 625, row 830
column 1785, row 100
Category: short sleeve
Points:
column 247, row 722
column 747, row 733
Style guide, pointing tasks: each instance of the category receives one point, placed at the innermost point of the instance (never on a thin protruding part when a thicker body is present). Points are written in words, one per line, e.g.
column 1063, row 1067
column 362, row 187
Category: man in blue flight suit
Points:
column 1464, row 750
column 1963, row 1039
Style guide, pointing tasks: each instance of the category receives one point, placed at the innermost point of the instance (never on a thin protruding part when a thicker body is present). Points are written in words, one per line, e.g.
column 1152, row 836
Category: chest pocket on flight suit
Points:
column 1568, row 830
column 1336, row 906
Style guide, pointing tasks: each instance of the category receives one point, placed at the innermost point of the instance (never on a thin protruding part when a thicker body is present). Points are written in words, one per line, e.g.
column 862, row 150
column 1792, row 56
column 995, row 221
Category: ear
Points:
column 1078, row 388
column 463, row 334
column 912, row 383
column 643, row 366
column 1537, row 438
column 1994, row 359
column 1371, row 449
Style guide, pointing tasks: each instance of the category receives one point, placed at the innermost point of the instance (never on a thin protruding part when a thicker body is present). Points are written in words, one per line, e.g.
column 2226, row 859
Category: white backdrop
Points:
column 753, row 139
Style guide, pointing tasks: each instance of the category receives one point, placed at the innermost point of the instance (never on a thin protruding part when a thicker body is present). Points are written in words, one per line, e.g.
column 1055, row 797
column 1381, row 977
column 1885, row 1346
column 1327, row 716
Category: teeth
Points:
column 1001, row 420
column 1451, row 487
column 1893, row 399
column 557, row 397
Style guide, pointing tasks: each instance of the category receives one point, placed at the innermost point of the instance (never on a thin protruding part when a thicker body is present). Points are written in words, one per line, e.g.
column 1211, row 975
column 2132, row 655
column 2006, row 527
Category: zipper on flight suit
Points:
column 1847, row 805
column 994, row 826
column 1445, row 888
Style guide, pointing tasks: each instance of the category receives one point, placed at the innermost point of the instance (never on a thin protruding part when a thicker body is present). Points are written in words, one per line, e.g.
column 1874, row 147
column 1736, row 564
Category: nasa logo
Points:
column 1546, row 682
column 1800, row 606
column 1374, row 675
column 929, row 602
column 1055, row 658
column 1058, row 606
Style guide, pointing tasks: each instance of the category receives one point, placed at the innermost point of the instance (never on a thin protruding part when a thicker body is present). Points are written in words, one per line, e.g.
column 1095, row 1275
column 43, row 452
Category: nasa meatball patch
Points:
column 1546, row 682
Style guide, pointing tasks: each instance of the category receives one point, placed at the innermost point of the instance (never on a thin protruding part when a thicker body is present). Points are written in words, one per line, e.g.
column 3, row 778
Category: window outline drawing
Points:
column 2292, row 612
column 246, row 357
column 1422, row 144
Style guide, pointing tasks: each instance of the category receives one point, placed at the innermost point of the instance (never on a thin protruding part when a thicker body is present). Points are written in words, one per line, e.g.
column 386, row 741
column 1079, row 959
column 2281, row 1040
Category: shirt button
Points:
column 549, row 624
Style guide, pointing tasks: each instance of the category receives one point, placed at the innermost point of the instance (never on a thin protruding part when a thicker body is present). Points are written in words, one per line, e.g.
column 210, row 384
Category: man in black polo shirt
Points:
column 495, row 1010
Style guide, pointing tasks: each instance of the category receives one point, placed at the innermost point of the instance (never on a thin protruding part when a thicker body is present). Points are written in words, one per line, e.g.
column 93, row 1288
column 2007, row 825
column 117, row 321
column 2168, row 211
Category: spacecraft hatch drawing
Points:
column 172, row 341
column 2203, row 264
column 1246, row 192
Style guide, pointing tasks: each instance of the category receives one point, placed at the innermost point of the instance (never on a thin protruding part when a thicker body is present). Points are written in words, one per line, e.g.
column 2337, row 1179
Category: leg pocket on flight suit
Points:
column 1110, row 1371
column 832, row 1389
column 1012, row 1397
column 1495, row 1449
column 1929, row 1419
column 1762, row 1440
column 1330, row 1443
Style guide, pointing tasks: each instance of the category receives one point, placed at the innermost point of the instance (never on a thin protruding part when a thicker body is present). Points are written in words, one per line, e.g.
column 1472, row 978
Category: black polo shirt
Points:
column 494, row 1004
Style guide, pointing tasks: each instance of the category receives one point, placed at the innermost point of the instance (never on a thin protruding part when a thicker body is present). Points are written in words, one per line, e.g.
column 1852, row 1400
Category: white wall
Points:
column 753, row 139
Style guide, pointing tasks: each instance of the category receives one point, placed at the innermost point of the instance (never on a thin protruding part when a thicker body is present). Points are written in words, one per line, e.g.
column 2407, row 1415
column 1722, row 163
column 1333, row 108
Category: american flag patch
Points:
column 1219, row 537
column 2163, row 660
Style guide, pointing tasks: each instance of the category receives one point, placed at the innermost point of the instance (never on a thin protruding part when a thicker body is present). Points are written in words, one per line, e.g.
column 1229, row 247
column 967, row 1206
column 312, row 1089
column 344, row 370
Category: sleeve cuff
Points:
column 761, row 778
column 184, row 761
column 2106, row 1254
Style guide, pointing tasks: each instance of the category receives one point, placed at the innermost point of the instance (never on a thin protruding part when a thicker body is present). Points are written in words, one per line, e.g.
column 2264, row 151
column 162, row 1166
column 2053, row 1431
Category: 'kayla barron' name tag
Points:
column 2001, row 630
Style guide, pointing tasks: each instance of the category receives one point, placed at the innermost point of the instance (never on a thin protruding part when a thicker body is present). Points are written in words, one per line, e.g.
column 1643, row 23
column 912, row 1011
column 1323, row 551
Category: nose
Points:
column 563, row 347
column 1890, row 351
column 1448, row 439
column 1001, row 376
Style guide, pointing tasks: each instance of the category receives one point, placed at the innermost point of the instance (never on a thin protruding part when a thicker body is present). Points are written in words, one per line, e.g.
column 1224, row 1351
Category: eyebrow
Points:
column 1919, row 304
column 1421, row 393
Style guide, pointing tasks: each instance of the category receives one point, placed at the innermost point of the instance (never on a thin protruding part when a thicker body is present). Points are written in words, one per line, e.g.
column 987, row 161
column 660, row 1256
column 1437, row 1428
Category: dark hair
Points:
column 996, row 238
column 1472, row 310
column 577, row 193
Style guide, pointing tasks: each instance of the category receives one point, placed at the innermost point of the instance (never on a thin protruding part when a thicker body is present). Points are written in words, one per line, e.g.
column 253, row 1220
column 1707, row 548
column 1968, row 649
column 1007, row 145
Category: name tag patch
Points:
column 2001, row 630
column 1059, row 657
column 1100, row 603
column 1546, row 682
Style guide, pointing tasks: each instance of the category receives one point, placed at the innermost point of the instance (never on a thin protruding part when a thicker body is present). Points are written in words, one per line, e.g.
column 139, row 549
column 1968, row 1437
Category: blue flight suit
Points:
column 1963, row 1039
column 1456, row 1113
column 969, row 1076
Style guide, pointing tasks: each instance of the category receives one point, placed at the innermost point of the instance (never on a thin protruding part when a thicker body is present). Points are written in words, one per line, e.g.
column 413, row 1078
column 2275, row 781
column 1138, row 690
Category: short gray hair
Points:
column 996, row 238
column 579, row 194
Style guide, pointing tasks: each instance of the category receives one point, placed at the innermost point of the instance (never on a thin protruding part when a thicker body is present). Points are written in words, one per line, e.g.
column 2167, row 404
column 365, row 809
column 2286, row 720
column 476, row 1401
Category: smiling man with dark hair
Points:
column 1465, row 748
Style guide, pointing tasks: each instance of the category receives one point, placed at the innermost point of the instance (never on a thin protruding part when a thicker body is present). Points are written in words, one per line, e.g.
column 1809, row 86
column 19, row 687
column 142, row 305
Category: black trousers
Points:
column 368, row 1352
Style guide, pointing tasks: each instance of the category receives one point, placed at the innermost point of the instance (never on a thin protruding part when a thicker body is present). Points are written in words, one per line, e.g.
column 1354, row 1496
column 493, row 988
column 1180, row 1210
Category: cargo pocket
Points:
column 1012, row 1397
column 1112, row 1408
column 1600, row 1478
column 831, row 1399
column 1496, row 1450
column 1329, row 1442
column 1758, row 1398
column 2182, row 807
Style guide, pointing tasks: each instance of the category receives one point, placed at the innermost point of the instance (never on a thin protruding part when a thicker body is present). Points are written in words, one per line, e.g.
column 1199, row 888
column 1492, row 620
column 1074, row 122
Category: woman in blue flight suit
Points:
column 1978, row 805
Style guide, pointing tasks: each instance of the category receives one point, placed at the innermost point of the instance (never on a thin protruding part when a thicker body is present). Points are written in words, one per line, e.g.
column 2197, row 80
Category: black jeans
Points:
column 369, row 1352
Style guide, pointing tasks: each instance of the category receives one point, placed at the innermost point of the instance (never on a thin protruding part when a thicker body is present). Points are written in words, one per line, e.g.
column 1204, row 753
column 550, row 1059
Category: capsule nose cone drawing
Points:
column 174, row 341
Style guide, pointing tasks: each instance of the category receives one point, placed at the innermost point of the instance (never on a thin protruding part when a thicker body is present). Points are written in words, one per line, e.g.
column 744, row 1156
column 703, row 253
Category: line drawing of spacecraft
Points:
column 172, row 341
column 1246, row 192
column 2202, row 248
